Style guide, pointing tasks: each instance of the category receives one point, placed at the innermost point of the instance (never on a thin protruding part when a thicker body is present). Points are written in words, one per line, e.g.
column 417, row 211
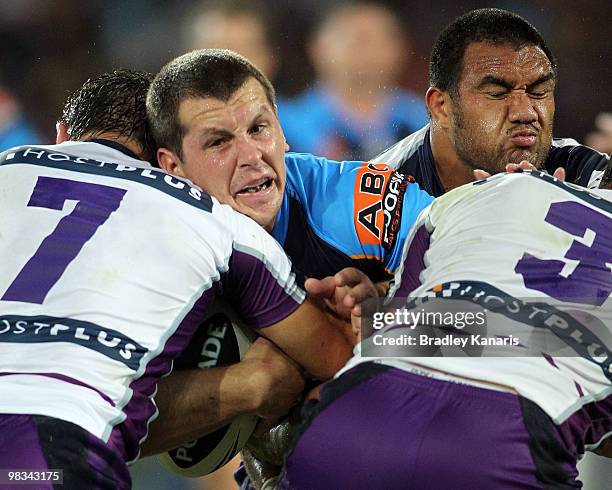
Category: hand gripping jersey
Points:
column 413, row 156
column 108, row 266
column 348, row 214
column 500, row 243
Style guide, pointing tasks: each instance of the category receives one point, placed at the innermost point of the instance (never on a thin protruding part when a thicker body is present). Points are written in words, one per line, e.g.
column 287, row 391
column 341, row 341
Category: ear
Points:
column 439, row 105
column 170, row 162
column 61, row 133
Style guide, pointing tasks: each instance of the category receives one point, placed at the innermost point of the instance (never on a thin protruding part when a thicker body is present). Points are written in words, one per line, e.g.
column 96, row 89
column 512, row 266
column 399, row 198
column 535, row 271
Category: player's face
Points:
column 504, row 109
column 235, row 151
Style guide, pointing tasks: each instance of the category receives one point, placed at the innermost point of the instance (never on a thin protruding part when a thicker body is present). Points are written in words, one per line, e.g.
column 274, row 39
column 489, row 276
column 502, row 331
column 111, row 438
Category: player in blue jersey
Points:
column 213, row 115
column 527, row 403
column 96, row 300
column 491, row 102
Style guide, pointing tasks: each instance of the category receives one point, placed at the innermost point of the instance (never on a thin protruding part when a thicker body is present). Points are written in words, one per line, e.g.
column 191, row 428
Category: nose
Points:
column 248, row 152
column 521, row 109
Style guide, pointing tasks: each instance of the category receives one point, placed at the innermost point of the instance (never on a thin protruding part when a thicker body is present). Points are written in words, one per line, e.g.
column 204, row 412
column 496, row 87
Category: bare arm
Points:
column 195, row 402
column 315, row 338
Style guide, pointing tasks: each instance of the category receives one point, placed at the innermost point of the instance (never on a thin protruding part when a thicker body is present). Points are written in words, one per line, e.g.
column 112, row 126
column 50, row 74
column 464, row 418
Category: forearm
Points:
column 196, row 402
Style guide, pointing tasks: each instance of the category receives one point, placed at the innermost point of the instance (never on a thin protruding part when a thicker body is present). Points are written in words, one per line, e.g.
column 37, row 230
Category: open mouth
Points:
column 257, row 188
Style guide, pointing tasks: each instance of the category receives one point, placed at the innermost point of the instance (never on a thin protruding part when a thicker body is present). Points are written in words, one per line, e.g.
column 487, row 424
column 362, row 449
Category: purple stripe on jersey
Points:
column 587, row 425
column 126, row 436
column 67, row 379
column 255, row 293
column 414, row 263
column 550, row 360
column 20, row 445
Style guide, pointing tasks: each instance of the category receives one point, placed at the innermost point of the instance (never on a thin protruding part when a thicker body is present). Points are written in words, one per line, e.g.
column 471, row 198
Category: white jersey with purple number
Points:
column 504, row 241
column 108, row 266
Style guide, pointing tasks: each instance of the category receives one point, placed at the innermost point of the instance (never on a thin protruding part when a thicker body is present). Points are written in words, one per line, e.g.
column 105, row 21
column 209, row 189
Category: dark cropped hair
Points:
column 216, row 73
column 114, row 103
column 489, row 25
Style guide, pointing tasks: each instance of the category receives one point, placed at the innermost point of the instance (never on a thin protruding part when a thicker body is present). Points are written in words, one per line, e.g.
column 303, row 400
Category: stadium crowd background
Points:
column 49, row 47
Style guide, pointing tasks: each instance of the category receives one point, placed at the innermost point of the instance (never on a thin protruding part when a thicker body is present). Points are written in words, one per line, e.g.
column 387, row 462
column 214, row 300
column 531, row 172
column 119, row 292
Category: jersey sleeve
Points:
column 363, row 210
column 584, row 166
column 259, row 282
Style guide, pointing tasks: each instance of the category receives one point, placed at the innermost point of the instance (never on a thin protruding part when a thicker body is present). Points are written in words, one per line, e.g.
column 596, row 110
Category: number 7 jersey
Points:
column 108, row 266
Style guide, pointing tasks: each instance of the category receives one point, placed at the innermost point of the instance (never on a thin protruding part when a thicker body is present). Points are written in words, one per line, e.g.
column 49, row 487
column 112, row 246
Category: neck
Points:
column 451, row 170
column 129, row 143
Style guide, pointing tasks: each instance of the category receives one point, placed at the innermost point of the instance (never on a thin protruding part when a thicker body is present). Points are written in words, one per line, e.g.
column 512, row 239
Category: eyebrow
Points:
column 212, row 131
column 493, row 80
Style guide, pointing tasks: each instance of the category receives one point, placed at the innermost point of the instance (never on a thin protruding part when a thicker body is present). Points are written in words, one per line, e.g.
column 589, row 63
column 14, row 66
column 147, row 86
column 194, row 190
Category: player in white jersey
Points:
column 108, row 268
column 534, row 255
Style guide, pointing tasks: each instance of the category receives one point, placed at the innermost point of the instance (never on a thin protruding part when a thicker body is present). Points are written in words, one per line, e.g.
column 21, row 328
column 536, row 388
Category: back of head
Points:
column 494, row 26
column 216, row 73
column 111, row 104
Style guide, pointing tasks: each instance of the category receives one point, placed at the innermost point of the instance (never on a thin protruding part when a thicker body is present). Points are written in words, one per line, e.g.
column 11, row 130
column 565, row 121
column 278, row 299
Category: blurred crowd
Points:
column 350, row 76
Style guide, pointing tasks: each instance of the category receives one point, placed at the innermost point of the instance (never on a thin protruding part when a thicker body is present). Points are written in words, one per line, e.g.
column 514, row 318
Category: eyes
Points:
column 534, row 94
column 537, row 92
column 217, row 141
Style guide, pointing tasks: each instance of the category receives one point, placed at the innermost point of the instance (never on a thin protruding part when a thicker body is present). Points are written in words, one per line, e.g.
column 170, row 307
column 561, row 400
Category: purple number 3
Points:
column 591, row 280
column 95, row 204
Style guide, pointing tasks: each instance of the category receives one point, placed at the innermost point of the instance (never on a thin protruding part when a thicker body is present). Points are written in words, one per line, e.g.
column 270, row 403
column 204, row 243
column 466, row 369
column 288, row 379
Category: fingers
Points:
column 560, row 174
column 350, row 276
column 355, row 285
column 320, row 288
column 481, row 174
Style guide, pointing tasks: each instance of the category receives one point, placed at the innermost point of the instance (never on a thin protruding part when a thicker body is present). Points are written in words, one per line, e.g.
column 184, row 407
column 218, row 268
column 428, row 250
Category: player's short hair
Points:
column 488, row 25
column 114, row 103
column 216, row 73
column 606, row 180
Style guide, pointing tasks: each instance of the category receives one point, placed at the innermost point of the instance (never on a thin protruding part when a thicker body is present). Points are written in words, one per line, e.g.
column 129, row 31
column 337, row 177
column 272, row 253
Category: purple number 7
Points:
column 95, row 204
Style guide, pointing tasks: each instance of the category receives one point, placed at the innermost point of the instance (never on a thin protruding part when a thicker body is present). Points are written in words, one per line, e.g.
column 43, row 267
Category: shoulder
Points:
column 404, row 149
column 584, row 165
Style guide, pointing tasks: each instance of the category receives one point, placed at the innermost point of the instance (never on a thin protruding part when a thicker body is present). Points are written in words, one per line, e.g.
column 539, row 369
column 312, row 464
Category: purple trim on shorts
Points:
column 126, row 436
column 67, row 379
column 260, row 300
column 104, row 460
column 414, row 262
column 20, row 446
column 587, row 425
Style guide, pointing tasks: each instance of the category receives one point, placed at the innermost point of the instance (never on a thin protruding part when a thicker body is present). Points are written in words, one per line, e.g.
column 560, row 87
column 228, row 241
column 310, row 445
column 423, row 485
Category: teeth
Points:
column 263, row 185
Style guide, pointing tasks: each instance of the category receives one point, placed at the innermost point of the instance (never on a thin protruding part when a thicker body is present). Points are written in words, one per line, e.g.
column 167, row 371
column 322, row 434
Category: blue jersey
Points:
column 317, row 122
column 413, row 156
column 348, row 214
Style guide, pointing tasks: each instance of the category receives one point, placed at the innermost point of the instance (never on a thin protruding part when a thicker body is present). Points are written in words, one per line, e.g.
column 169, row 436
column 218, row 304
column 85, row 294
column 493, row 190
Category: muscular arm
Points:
column 195, row 402
column 315, row 338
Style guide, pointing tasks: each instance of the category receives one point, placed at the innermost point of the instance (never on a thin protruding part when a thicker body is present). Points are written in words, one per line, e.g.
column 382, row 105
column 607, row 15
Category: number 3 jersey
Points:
column 108, row 266
column 535, row 255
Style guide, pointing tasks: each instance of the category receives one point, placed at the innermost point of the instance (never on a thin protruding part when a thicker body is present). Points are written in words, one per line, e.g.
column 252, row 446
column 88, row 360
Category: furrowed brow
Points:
column 542, row 79
column 493, row 80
